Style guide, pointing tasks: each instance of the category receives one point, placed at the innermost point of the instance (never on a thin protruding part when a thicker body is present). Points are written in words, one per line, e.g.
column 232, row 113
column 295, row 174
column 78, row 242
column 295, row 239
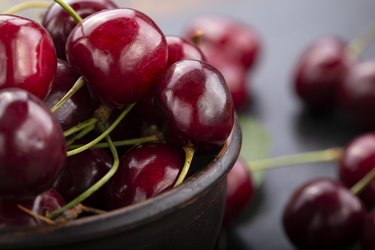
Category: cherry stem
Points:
column 91, row 209
column 197, row 37
column 35, row 215
column 189, row 154
column 128, row 142
column 98, row 184
column 77, row 86
column 81, row 126
column 103, row 135
column 331, row 154
column 358, row 45
column 27, row 5
column 362, row 183
column 70, row 10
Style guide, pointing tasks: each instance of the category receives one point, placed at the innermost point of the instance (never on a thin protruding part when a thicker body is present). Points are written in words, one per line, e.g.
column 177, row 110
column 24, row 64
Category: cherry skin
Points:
column 11, row 215
column 32, row 145
column 368, row 232
column 59, row 23
column 357, row 160
column 195, row 104
column 28, row 57
column 238, row 41
column 131, row 49
column 76, row 109
column 80, row 172
column 357, row 94
column 180, row 48
column 319, row 71
column 240, row 191
column 323, row 214
column 145, row 171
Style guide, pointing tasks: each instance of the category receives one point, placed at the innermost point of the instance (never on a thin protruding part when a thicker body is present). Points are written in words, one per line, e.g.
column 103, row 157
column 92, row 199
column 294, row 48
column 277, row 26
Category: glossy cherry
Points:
column 120, row 52
column 80, row 172
column 368, row 232
column 11, row 215
column 76, row 109
column 319, row 71
column 59, row 23
column 357, row 160
column 195, row 104
column 28, row 57
column 357, row 94
column 240, row 191
column 145, row 171
column 235, row 39
column 180, row 48
column 32, row 145
column 323, row 214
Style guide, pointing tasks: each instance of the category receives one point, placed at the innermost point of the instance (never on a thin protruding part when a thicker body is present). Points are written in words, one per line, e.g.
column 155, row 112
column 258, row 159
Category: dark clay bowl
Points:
column 187, row 217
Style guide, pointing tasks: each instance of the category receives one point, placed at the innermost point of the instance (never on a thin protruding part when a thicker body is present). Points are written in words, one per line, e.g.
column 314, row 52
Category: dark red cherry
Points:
column 195, row 104
column 240, row 191
column 357, row 94
column 32, row 145
column 145, row 171
column 120, row 52
column 323, row 214
column 357, row 160
column 180, row 48
column 80, row 172
column 59, row 23
column 319, row 71
column 79, row 107
column 368, row 232
column 11, row 215
column 28, row 57
column 233, row 38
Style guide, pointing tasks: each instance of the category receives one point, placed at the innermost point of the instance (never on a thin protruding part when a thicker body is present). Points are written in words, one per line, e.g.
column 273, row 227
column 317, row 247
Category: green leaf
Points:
column 255, row 143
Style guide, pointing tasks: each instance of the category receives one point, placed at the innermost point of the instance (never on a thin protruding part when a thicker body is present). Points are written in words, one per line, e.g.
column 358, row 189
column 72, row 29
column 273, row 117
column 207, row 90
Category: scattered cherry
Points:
column 32, row 145
column 59, row 23
column 323, row 214
column 145, row 171
column 32, row 65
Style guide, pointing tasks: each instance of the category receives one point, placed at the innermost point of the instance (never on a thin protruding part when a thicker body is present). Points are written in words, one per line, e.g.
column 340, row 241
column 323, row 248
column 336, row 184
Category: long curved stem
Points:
column 362, row 183
column 77, row 86
column 189, row 154
column 81, row 126
column 358, row 45
column 70, row 10
column 27, row 5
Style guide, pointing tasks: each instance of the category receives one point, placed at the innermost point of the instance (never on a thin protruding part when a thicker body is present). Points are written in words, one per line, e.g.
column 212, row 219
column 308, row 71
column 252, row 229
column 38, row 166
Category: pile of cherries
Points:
column 66, row 86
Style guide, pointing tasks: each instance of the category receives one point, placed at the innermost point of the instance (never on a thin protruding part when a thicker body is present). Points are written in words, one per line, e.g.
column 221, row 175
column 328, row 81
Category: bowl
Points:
column 186, row 217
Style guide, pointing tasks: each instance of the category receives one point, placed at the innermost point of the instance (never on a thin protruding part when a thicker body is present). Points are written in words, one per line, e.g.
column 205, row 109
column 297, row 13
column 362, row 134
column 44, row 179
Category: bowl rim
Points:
column 126, row 218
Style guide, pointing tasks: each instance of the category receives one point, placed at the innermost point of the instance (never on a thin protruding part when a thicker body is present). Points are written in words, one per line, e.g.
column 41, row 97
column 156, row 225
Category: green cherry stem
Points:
column 94, row 187
column 80, row 126
column 27, row 5
column 81, row 134
column 362, row 183
column 189, row 154
column 103, row 135
column 358, row 45
column 331, row 154
column 70, row 10
column 77, row 86
column 128, row 142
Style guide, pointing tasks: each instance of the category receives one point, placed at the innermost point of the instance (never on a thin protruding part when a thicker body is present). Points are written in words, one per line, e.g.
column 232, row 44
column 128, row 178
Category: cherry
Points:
column 80, row 172
column 357, row 160
column 79, row 107
column 28, row 57
column 240, row 191
column 319, row 71
column 368, row 232
column 323, row 214
column 59, row 23
column 236, row 40
column 145, row 171
column 12, row 215
column 195, row 104
column 32, row 145
column 131, row 49
column 180, row 48
column 357, row 94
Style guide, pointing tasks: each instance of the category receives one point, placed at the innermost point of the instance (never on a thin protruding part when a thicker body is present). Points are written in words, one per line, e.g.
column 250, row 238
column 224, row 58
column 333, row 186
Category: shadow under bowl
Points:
column 186, row 217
